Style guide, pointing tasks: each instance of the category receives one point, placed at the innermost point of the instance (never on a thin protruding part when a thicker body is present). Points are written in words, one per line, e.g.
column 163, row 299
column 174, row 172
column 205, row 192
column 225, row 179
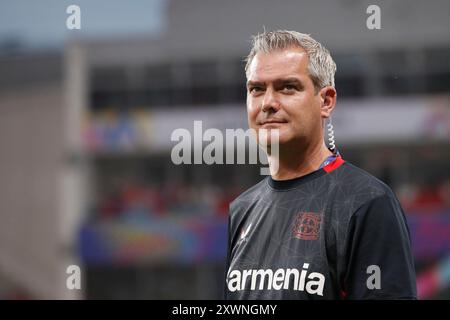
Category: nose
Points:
column 270, row 101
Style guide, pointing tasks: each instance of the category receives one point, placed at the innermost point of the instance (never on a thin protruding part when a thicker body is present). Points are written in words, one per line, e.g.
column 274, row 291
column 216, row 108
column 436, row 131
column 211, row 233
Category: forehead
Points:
column 292, row 62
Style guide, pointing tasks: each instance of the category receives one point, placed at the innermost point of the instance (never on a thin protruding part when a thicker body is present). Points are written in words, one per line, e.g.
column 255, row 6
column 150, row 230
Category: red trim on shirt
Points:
column 334, row 165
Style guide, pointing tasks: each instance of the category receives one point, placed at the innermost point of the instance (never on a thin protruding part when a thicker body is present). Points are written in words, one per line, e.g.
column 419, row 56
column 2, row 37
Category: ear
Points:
column 328, row 97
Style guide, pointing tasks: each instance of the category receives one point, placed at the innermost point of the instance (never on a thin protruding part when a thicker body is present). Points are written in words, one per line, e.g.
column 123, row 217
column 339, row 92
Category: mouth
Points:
column 272, row 122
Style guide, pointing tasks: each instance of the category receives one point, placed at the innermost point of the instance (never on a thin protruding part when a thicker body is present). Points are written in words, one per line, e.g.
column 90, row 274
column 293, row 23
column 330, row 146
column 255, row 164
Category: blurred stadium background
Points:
column 86, row 117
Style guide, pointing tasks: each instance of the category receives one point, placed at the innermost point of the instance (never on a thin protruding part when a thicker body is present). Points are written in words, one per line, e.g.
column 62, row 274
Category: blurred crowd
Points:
column 425, row 198
column 133, row 199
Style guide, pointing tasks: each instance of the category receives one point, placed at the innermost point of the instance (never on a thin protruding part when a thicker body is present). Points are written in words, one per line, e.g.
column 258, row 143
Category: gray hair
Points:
column 321, row 65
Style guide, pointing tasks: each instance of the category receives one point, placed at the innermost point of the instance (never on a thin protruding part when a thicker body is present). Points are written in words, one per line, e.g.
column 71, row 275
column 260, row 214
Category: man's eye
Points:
column 255, row 89
column 289, row 87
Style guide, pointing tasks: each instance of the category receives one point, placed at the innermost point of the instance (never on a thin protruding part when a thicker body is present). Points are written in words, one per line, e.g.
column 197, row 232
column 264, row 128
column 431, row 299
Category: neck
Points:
column 289, row 165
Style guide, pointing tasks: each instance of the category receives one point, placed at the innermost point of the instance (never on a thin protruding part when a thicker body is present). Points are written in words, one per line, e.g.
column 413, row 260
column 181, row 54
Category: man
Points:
column 318, row 227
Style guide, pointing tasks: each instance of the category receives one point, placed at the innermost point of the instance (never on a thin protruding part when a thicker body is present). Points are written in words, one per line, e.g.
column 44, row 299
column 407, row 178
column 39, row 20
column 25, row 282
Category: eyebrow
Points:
column 254, row 83
column 276, row 82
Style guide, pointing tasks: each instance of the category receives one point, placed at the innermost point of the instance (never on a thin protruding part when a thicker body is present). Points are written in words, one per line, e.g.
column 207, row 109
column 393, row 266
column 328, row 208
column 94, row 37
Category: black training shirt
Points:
column 336, row 233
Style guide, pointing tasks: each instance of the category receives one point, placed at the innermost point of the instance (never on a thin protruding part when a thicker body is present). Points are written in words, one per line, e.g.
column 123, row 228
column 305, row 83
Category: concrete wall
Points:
column 32, row 253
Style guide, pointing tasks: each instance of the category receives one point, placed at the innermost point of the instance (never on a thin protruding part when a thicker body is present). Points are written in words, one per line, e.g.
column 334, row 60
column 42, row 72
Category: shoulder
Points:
column 360, row 178
column 360, row 188
column 361, row 181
